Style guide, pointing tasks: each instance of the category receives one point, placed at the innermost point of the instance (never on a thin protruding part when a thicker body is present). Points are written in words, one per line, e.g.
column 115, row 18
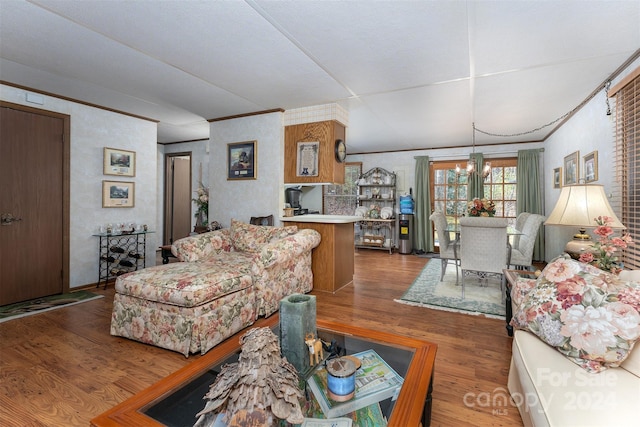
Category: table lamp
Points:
column 577, row 206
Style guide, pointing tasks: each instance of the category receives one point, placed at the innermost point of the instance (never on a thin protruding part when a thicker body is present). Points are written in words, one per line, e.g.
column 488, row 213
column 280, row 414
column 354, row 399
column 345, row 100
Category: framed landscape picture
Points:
column 571, row 168
column 118, row 194
column 557, row 177
column 242, row 158
column 591, row 167
column 119, row 162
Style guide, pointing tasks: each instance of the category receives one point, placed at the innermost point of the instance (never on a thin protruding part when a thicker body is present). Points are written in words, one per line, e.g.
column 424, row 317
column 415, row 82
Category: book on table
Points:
column 375, row 381
column 368, row 416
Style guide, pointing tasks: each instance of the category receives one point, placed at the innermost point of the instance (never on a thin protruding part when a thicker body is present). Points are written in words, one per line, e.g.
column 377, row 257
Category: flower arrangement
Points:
column 603, row 252
column 481, row 207
column 202, row 204
column 374, row 212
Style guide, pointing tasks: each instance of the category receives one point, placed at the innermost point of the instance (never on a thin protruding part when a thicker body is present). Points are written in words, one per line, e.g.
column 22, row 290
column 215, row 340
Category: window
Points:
column 627, row 162
column 342, row 199
column 449, row 191
column 500, row 186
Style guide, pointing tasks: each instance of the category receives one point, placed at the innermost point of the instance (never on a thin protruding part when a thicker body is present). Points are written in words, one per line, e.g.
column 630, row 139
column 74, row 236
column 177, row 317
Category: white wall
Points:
column 92, row 129
column 242, row 199
column 588, row 130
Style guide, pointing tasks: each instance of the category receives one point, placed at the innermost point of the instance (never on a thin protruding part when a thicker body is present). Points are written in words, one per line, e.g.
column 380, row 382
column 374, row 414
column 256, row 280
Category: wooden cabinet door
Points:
column 330, row 171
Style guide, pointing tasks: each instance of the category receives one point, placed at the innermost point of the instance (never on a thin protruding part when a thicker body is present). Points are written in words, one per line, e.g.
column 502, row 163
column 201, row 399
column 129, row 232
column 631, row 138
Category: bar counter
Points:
column 332, row 261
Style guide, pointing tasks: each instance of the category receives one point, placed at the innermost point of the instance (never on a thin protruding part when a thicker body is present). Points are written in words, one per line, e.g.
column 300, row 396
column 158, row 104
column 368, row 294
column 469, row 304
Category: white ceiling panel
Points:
column 517, row 35
column 503, row 103
column 412, row 74
column 229, row 46
column 438, row 115
column 86, row 92
column 375, row 47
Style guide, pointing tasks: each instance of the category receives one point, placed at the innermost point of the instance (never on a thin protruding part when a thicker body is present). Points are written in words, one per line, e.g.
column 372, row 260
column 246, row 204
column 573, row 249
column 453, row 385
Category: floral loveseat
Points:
column 572, row 361
column 224, row 281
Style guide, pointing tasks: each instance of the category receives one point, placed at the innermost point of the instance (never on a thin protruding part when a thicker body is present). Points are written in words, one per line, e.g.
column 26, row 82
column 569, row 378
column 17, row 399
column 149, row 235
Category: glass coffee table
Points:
column 175, row 400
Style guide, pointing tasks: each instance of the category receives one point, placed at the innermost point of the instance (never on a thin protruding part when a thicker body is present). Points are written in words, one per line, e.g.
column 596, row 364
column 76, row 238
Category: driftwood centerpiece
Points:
column 261, row 387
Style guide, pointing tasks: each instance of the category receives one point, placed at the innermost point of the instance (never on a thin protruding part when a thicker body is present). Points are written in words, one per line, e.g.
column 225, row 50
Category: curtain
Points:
column 529, row 192
column 475, row 182
column 423, row 235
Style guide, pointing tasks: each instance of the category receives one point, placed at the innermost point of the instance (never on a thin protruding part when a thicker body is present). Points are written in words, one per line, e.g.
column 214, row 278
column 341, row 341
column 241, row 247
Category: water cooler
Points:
column 405, row 223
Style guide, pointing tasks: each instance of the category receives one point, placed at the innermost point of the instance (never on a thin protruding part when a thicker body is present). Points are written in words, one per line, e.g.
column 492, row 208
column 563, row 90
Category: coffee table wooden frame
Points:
column 412, row 408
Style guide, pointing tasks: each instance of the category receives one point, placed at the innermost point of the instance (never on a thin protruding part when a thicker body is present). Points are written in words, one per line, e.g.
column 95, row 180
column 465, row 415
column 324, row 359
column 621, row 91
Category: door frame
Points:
column 66, row 181
column 167, row 176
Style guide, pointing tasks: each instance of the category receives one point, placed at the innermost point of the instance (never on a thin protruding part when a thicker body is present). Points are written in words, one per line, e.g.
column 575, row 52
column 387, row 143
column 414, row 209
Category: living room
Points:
column 92, row 128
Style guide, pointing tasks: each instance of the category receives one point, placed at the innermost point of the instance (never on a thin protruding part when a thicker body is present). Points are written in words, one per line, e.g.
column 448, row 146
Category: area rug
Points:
column 428, row 291
column 40, row 305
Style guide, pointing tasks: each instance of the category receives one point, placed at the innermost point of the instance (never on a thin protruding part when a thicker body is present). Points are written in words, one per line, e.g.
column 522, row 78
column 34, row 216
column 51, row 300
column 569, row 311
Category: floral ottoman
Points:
column 186, row 306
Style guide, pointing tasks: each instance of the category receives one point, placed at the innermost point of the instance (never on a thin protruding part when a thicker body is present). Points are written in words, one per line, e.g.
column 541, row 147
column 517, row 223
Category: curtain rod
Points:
column 466, row 156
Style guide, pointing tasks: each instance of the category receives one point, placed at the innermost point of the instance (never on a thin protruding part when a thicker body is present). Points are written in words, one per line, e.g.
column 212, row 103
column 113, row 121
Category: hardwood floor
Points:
column 62, row 368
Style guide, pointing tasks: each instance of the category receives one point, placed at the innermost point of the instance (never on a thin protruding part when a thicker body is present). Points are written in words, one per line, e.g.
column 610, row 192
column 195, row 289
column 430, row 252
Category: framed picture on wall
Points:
column 571, row 168
column 591, row 167
column 242, row 160
column 119, row 162
column 557, row 177
column 307, row 158
column 118, row 194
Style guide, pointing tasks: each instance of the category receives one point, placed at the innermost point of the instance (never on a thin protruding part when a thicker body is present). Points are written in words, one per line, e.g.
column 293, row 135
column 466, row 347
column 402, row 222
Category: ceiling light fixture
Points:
column 471, row 164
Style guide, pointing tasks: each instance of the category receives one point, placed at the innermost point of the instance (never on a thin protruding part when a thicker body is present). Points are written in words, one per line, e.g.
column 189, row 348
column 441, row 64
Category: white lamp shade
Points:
column 579, row 205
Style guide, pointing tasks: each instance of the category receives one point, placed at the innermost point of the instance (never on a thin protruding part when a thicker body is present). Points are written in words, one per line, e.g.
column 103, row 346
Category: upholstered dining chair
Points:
column 483, row 248
column 448, row 248
column 521, row 219
column 522, row 250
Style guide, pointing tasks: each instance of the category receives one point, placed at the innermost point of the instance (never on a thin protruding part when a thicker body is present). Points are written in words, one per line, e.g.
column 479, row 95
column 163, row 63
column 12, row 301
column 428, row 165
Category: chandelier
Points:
column 471, row 164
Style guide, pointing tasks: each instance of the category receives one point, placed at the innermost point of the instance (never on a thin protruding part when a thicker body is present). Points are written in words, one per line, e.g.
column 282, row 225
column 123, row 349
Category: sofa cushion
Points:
column 587, row 314
column 549, row 390
column 251, row 238
column 520, row 289
column 188, row 284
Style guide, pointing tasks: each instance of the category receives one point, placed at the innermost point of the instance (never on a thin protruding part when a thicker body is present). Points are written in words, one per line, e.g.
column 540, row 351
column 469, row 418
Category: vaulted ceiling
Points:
column 412, row 74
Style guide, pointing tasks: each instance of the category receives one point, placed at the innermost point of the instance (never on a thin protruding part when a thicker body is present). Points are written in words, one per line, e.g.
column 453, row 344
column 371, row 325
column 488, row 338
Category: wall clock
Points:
column 341, row 151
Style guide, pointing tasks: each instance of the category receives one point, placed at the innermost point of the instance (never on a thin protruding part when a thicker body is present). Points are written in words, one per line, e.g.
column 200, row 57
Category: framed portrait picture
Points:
column 118, row 194
column 557, row 177
column 242, row 160
column 591, row 167
column 571, row 168
column 307, row 158
column 119, row 162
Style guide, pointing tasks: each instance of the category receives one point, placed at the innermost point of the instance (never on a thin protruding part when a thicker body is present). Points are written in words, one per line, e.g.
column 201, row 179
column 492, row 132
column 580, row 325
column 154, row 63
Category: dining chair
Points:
column 483, row 248
column 448, row 248
column 521, row 219
column 522, row 251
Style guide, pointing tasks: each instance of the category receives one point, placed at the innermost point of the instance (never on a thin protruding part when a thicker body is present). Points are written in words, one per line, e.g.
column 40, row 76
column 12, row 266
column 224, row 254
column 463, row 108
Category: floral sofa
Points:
column 572, row 361
column 223, row 282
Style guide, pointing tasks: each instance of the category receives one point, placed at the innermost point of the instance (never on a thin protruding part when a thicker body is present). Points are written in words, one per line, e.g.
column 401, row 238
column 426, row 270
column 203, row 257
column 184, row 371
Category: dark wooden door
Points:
column 31, row 173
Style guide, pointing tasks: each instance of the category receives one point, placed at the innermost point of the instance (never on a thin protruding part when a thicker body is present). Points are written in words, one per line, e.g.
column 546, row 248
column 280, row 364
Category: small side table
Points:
column 512, row 276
